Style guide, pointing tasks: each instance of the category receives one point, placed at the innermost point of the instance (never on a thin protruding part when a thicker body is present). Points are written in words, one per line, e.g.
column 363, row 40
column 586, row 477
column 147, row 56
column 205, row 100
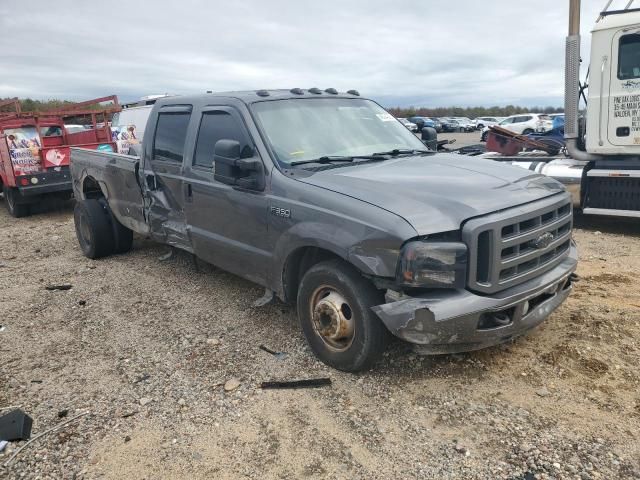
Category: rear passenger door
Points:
column 163, row 174
column 227, row 224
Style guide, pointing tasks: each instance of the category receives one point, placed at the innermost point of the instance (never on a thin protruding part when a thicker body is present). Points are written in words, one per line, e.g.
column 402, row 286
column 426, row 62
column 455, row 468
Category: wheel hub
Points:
column 333, row 317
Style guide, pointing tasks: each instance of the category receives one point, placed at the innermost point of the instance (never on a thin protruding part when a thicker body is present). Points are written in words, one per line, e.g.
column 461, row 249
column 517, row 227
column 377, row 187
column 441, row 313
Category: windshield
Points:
column 307, row 129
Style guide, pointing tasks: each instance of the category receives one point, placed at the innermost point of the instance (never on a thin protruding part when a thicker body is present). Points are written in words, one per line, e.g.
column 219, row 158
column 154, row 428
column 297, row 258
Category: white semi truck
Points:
column 603, row 168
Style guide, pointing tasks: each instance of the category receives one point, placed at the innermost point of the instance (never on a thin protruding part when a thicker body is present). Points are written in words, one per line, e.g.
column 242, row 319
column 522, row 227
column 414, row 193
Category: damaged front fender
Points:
column 447, row 321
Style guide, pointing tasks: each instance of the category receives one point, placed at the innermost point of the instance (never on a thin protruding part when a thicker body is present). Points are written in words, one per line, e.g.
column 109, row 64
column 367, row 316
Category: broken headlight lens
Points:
column 426, row 264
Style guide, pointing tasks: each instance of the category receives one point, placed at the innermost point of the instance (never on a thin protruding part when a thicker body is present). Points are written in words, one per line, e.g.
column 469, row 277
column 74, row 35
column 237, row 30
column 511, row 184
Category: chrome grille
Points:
column 512, row 246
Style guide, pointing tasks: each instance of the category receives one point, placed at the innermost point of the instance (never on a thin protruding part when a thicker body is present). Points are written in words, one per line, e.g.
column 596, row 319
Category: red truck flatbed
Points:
column 34, row 148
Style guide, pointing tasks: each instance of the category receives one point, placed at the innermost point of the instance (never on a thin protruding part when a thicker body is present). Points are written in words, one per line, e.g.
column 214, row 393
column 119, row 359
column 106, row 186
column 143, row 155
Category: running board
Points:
column 611, row 213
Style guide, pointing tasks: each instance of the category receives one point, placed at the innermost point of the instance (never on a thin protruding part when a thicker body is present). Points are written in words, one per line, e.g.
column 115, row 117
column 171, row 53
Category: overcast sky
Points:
column 421, row 52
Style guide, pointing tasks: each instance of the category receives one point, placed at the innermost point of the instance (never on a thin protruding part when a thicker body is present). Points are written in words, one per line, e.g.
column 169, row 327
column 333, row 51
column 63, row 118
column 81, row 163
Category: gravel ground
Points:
column 461, row 139
column 146, row 346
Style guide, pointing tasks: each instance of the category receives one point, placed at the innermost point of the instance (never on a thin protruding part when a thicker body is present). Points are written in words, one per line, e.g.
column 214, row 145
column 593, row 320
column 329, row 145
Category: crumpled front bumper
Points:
column 449, row 321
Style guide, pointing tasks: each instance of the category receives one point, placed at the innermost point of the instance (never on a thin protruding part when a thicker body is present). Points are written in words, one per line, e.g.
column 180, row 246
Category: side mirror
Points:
column 226, row 149
column 236, row 166
column 430, row 138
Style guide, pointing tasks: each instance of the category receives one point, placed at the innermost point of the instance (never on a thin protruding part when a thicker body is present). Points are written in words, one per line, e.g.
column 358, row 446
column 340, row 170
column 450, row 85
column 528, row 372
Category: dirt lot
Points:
column 461, row 139
column 146, row 346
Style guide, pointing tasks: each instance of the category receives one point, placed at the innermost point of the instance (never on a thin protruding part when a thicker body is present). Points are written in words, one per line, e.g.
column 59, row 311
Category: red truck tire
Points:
column 13, row 202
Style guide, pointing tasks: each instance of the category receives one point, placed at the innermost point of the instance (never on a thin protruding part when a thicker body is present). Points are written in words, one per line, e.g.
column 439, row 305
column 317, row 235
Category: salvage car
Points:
column 482, row 122
column 524, row 123
column 466, row 124
column 329, row 203
column 451, row 125
column 410, row 125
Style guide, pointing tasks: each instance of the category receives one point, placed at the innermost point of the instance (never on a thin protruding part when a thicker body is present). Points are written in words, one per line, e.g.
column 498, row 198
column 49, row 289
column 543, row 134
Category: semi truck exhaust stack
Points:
column 572, row 81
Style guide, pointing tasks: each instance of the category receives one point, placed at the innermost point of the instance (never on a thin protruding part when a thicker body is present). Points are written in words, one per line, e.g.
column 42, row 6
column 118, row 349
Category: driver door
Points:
column 227, row 223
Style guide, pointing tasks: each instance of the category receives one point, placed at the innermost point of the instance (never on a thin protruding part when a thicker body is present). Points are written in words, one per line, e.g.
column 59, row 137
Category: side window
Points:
column 51, row 131
column 214, row 126
column 629, row 57
column 171, row 131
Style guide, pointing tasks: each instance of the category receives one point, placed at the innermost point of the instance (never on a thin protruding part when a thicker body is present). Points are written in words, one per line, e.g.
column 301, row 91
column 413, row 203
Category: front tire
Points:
column 527, row 131
column 334, row 308
column 93, row 229
column 14, row 204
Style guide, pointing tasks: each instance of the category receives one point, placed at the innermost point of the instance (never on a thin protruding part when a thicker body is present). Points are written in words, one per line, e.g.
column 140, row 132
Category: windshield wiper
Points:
column 337, row 158
column 325, row 159
column 374, row 156
column 402, row 151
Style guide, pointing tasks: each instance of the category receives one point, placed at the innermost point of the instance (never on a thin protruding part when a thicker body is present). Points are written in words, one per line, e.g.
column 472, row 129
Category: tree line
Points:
column 30, row 105
column 470, row 112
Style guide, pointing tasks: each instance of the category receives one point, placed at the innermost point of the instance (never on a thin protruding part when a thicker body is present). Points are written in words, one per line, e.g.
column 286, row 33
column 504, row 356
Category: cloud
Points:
column 430, row 53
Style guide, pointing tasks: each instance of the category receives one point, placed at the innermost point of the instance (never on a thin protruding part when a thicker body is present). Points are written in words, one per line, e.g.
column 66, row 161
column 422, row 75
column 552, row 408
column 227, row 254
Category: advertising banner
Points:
column 125, row 136
column 24, row 150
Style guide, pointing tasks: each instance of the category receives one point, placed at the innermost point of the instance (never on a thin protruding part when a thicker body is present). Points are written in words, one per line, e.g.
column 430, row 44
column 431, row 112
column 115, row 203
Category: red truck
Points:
column 34, row 148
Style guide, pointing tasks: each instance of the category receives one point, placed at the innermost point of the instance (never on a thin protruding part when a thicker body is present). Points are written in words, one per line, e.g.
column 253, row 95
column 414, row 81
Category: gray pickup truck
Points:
column 328, row 201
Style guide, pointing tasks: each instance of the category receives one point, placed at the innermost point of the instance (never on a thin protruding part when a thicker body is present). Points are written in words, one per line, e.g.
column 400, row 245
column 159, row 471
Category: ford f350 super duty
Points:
column 330, row 203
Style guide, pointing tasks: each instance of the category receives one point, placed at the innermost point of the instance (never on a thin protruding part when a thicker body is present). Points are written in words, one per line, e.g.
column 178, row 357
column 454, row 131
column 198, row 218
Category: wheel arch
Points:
column 298, row 262
column 91, row 188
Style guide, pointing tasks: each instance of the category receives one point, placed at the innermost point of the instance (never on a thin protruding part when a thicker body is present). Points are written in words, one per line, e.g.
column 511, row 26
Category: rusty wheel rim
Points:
column 332, row 317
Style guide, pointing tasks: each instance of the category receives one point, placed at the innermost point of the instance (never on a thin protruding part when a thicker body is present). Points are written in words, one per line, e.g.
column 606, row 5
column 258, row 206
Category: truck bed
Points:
column 116, row 176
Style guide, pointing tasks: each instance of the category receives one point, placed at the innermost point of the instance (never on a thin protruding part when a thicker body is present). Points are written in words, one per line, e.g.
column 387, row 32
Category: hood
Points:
column 437, row 193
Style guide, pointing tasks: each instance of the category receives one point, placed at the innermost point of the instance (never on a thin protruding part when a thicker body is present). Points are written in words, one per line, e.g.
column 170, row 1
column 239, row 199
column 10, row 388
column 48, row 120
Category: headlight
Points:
column 426, row 264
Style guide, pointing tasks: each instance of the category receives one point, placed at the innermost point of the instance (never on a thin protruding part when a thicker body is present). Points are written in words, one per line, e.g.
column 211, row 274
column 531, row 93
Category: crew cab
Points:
column 330, row 203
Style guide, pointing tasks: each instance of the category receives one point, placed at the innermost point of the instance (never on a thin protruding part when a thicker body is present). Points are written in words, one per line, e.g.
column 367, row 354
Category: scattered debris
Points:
column 213, row 341
column 128, row 414
column 2, row 328
column 82, row 303
column 145, row 376
column 10, row 407
column 64, row 286
column 36, row 381
column 278, row 355
column 145, row 400
column 463, row 450
column 3, row 445
column 63, row 413
column 127, row 439
column 266, row 299
column 15, row 425
column 15, row 454
column 543, row 392
column 231, row 384
column 310, row 383
column 167, row 256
